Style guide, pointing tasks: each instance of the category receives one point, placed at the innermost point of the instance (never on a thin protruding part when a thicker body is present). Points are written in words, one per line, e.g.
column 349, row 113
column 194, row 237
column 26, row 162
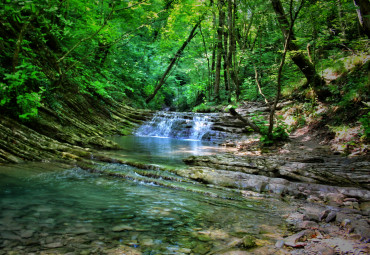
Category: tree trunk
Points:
column 232, row 49
column 226, row 61
column 173, row 61
column 213, row 58
column 297, row 56
column 245, row 120
column 363, row 13
column 209, row 82
column 219, row 49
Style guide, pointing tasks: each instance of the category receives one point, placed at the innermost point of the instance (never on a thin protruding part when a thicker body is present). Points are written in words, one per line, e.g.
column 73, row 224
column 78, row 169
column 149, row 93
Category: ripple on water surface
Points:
column 48, row 208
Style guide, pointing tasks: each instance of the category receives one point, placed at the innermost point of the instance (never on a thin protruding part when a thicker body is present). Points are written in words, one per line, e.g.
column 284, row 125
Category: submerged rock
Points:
column 122, row 227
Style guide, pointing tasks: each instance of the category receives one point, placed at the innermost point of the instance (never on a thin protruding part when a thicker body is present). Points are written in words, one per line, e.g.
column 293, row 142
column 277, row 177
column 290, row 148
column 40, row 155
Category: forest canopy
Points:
column 182, row 54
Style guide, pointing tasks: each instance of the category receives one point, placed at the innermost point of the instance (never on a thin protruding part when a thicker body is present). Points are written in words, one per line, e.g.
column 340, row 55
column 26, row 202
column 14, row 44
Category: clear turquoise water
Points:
column 162, row 151
column 63, row 210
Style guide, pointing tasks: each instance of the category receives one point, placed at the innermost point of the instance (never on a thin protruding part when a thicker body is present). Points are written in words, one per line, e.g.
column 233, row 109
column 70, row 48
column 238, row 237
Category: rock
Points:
column 331, row 217
column 249, row 242
column 234, row 252
column 54, row 245
column 279, row 244
column 324, row 250
column 311, row 217
column 27, row 233
column 350, row 199
column 9, row 236
column 201, row 249
column 323, row 215
column 184, row 250
column 123, row 227
column 345, row 223
column 299, row 239
column 365, row 207
column 313, row 198
column 336, row 198
column 80, row 231
column 122, row 249
column 308, row 225
column 147, row 242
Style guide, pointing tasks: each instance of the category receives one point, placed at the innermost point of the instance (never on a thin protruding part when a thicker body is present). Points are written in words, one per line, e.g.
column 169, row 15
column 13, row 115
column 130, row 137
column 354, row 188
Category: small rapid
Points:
column 194, row 126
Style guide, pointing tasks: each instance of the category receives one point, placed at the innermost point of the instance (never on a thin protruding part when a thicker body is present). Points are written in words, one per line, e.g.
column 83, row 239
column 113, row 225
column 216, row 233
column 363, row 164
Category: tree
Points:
column 173, row 61
column 297, row 56
column 363, row 13
column 220, row 33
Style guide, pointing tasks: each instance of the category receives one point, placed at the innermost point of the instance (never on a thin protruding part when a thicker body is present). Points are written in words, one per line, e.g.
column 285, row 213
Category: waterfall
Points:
column 193, row 126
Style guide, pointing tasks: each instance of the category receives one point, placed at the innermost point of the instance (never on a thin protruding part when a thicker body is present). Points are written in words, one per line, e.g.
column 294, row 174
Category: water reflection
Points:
column 167, row 151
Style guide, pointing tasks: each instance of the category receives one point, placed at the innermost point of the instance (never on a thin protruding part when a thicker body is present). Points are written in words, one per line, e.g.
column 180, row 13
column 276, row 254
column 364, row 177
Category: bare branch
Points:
column 259, row 86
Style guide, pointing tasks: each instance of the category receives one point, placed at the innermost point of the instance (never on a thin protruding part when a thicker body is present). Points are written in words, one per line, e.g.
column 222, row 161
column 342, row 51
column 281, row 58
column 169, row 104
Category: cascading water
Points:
column 193, row 126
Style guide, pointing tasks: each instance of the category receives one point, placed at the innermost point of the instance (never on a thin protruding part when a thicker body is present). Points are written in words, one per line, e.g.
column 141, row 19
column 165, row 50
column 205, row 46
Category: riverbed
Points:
column 61, row 209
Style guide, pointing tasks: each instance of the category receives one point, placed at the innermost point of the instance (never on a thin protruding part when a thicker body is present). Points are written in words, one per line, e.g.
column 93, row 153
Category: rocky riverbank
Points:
column 72, row 129
column 329, row 193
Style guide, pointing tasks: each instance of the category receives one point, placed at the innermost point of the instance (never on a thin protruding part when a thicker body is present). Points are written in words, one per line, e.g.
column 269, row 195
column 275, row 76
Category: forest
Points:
column 223, row 127
column 189, row 55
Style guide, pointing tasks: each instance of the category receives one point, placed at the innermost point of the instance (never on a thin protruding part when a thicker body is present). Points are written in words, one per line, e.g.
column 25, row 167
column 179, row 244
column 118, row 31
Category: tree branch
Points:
column 173, row 61
column 246, row 121
column 87, row 38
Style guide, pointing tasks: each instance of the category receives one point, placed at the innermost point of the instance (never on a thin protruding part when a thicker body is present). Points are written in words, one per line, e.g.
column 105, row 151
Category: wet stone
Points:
column 123, row 227
column 279, row 244
column 54, row 245
column 27, row 233
column 331, row 217
column 308, row 225
column 147, row 242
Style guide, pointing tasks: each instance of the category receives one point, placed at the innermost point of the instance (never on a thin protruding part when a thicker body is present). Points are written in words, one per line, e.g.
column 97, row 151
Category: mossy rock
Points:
column 249, row 242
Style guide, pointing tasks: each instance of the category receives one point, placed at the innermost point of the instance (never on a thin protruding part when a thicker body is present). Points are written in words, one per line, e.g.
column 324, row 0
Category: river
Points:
column 49, row 208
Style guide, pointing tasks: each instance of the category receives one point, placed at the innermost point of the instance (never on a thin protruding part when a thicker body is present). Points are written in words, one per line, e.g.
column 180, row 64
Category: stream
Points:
column 50, row 208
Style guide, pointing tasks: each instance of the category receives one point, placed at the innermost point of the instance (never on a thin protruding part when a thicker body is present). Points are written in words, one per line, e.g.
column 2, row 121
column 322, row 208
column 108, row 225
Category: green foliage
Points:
column 279, row 132
column 29, row 104
column 365, row 121
column 137, row 40
column 206, row 107
column 21, row 90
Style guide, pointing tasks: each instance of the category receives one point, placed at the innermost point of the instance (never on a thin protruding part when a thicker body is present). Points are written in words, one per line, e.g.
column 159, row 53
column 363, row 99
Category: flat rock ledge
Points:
column 330, row 197
column 274, row 174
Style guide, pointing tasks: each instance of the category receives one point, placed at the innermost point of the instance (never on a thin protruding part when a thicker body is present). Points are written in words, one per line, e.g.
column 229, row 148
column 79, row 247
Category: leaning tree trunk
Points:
column 297, row 56
column 173, row 61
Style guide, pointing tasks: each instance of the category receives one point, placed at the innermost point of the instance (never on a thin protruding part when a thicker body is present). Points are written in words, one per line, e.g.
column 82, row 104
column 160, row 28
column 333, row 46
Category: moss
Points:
column 126, row 131
column 249, row 242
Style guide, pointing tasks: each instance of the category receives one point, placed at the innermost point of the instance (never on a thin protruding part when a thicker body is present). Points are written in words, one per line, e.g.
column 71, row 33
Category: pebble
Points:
column 27, row 233
column 345, row 223
column 120, row 228
column 147, row 242
column 279, row 244
column 308, row 224
column 54, row 245
column 323, row 215
column 311, row 217
column 331, row 217
column 185, row 250
column 350, row 199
